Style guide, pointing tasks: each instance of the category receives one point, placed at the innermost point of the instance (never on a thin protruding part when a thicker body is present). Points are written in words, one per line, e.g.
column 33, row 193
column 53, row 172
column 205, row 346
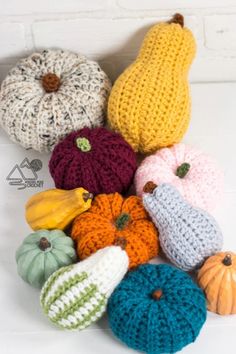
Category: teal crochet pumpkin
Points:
column 157, row 309
column 42, row 253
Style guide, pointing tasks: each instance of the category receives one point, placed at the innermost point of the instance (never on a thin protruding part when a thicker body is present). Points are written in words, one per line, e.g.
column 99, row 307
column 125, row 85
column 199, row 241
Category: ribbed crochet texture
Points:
column 155, row 326
column 202, row 186
column 76, row 296
column 49, row 94
column 96, row 159
column 187, row 235
column 149, row 103
column 113, row 219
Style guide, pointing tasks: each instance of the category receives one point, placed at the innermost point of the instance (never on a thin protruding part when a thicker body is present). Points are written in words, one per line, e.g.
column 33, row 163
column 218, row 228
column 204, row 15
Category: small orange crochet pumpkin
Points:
column 113, row 220
column 217, row 278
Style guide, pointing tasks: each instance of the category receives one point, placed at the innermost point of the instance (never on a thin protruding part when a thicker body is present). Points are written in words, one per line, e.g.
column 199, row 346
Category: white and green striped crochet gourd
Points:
column 76, row 296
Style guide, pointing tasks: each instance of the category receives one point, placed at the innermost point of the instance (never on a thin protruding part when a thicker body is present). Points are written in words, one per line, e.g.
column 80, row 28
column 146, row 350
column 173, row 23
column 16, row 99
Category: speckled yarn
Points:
column 187, row 235
column 96, row 159
column 201, row 185
column 76, row 296
column 157, row 309
column 50, row 94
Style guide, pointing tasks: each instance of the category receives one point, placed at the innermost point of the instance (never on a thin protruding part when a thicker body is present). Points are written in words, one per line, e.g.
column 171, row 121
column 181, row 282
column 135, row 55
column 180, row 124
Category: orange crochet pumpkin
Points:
column 217, row 278
column 113, row 220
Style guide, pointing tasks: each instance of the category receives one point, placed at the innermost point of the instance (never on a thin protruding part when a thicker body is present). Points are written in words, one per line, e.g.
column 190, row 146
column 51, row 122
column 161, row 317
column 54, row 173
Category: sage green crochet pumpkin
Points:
column 42, row 253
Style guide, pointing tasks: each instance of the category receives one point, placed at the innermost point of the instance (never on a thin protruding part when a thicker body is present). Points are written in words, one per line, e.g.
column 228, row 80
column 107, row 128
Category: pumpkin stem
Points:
column 122, row 221
column 87, row 196
column 83, row 144
column 182, row 170
column 121, row 241
column 157, row 294
column 149, row 187
column 44, row 243
column 51, row 82
column 227, row 261
column 179, row 19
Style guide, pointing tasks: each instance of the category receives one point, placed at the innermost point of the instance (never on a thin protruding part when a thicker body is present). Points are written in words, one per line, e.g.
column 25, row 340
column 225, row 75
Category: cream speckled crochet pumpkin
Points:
column 50, row 94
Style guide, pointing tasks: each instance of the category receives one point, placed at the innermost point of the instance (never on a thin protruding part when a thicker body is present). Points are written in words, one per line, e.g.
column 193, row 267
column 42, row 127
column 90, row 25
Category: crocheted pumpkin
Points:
column 76, row 296
column 149, row 103
column 187, row 235
column 114, row 220
column 42, row 253
column 50, row 94
column 96, row 159
column 195, row 174
column 217, row 278
column 157, row 309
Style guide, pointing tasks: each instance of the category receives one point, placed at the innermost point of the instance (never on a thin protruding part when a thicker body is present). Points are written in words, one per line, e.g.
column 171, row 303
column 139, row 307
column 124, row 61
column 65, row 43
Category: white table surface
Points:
column 23, row 327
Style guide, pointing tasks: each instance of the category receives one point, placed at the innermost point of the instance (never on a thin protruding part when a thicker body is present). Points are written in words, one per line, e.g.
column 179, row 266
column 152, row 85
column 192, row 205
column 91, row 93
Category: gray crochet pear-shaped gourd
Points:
column 188, row 235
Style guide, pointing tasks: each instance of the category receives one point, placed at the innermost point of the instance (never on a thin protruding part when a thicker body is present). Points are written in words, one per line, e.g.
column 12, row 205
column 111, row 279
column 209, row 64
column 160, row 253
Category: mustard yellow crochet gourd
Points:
column 150, row 102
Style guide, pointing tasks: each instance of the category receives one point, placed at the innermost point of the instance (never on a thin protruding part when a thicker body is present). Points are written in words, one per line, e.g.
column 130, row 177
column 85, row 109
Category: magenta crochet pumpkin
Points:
column 196, row 175
column 96, row 159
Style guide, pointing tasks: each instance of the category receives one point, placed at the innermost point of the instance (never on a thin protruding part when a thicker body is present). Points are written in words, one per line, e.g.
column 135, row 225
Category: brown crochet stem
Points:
column 87, row 196
column 149, row 187
column 44, row 243
column 51, row 82
column 157, row 294
column 179, row 19
column 227, row 261
column 121, row 241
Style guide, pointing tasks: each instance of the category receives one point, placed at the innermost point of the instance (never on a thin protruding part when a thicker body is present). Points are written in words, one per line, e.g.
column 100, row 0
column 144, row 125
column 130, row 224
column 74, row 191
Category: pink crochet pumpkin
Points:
column 193, row 173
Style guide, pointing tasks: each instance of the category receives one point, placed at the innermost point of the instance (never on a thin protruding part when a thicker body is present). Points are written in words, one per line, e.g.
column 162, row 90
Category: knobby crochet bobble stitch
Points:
column 50, row 94
column 97, row 159
column 187, row 235
column 157, row 309
column 76, row 296
column 195, row 174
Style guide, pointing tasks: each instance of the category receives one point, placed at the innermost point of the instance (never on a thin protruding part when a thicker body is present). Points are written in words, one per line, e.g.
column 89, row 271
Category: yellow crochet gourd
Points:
column 150, row 102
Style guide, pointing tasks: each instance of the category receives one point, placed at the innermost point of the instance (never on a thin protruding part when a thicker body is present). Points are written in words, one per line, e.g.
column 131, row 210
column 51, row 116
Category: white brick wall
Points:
column 12, row 39
column 23, row 7
column 170, row 4
column 221, row 32
column 111, row 31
